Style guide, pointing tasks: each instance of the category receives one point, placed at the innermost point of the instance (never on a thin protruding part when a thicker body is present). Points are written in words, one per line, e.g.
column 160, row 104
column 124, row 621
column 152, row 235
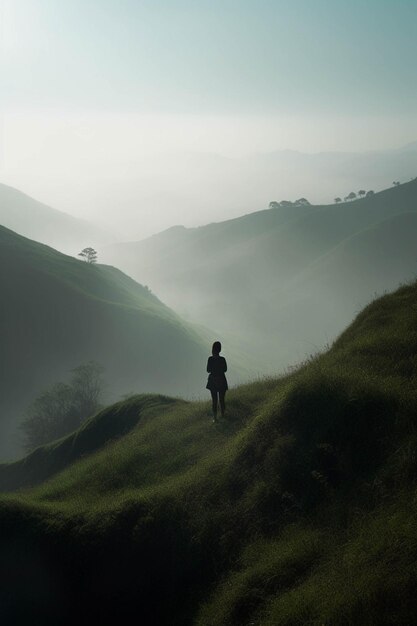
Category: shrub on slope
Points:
column 108, row 425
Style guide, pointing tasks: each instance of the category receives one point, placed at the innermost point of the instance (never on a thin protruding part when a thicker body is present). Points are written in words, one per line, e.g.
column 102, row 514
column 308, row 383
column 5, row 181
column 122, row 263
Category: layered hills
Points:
column 38, row 221
column 196, row 188
column 289, row 278
column 58, row 312
column 299, row 507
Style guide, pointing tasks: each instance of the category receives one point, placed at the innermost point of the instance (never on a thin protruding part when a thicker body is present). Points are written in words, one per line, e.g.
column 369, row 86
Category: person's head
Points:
column 217, row 348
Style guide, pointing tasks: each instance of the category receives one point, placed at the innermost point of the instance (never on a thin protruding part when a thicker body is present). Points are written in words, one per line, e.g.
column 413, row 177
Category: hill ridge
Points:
column 241, row 271
column 309, row 482
column 37, row 220
column 58, row 312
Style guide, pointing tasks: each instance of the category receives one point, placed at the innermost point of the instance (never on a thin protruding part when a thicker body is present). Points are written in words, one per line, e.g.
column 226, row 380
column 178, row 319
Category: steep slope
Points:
column 309, row 483
column 382, row 255
column 240, row 272
column 58, row 312
column 38, row 221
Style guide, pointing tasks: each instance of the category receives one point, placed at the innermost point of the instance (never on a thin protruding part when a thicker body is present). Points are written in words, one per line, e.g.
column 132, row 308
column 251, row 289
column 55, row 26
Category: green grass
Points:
column 299, row 508
column 58, row 312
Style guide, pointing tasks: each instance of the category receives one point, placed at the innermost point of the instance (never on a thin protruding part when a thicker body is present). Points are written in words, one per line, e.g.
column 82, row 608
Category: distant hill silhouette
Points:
column 299, row 508
column 57, row 312
column 196, row 188
column 36, row 220
column 289, row 278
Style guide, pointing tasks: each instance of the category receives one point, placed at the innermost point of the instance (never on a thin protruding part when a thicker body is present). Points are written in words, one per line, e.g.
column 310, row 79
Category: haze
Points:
column 175, row 175
column 140, row 115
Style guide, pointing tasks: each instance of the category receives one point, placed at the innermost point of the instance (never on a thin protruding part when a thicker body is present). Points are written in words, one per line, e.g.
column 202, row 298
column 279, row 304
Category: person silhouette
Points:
column 217, row 383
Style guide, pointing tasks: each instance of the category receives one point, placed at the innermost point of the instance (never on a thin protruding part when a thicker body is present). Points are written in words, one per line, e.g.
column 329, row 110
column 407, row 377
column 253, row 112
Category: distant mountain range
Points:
column 198, row 188
column 57, row 312
column 151, row 194
column 286, row 280
column 38, row 221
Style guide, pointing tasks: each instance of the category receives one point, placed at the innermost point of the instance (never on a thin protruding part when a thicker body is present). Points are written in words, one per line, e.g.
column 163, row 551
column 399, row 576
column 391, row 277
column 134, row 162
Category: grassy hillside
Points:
column 58, row 312
column 38, row 221
column 267, row 274
column 299, row 508
column 339, row 282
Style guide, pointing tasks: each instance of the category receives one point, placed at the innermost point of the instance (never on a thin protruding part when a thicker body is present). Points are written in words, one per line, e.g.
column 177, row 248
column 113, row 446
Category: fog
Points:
column 134, row 175
column 274, row 285
column 174, row 175
column 281, row 284
column 120, row 121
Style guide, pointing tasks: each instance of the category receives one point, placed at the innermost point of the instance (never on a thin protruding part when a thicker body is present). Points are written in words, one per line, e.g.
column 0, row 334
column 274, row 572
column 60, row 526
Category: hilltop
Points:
column 58, row 312
column 288, row 279
column 298, row 508
column 33, row 219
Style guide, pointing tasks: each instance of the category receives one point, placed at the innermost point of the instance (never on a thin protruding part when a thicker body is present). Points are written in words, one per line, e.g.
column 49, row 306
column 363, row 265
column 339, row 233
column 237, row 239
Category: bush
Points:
column 63, row 407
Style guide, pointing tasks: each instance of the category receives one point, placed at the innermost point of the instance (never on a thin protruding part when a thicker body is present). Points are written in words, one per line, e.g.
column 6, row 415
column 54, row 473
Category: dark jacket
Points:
column 216, row 367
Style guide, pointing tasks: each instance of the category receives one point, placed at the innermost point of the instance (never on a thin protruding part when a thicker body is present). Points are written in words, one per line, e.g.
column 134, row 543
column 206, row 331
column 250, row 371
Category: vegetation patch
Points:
column 299, row 507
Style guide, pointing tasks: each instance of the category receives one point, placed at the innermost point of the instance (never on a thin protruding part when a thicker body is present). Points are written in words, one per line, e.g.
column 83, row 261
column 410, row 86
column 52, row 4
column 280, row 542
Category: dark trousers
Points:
column 216, row 397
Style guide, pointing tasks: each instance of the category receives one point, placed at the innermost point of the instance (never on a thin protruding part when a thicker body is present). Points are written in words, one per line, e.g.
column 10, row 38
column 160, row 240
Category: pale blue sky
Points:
column 212, row 57
column 101, row 99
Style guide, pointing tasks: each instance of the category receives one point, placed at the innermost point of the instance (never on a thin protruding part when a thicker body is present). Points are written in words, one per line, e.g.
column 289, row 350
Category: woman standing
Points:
column 217, row 383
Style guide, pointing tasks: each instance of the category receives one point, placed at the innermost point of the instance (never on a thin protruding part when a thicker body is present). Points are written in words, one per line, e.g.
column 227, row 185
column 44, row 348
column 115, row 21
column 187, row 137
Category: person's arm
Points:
column 225, row 364
column 209, row 365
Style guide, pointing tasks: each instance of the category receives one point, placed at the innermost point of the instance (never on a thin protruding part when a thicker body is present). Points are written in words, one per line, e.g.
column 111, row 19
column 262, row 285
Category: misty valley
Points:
column 120, row 497
column 208, row 313
column 277, row 286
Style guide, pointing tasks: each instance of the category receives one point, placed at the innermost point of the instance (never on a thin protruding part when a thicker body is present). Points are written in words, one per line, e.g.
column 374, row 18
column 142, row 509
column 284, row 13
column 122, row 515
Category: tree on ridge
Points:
column 89, row 255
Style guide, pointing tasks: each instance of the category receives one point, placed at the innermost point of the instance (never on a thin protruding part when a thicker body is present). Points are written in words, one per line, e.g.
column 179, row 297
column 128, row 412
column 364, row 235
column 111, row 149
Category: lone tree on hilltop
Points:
column 89, row 255
column 337, row 200
column 361, row 192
